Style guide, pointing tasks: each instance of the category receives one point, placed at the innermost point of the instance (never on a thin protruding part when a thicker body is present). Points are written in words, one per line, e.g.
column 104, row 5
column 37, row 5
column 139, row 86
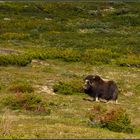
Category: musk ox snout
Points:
column 85, row 88
column 86, row 85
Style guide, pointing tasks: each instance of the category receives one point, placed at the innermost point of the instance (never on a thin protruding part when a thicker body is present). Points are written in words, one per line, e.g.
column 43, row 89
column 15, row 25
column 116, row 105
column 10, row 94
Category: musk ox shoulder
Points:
column 98, row 88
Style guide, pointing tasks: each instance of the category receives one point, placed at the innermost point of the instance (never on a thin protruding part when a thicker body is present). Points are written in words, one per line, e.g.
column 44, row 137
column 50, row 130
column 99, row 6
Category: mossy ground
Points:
column 65, row 41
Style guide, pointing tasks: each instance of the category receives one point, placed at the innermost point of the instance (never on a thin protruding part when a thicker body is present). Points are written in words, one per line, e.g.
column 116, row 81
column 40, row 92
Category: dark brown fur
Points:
column 98, row 88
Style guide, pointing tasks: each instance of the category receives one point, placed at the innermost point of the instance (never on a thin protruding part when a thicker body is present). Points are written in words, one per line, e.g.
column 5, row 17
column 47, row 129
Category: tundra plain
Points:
column 46, row 43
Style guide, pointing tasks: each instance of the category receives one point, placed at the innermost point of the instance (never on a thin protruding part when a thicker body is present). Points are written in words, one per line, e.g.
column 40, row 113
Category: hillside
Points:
column 54, row 45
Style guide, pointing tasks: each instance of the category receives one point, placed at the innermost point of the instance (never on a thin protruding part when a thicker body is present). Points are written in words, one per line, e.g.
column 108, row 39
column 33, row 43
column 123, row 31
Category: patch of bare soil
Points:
column 7, row 51
column 44, row 89
column 127, row 94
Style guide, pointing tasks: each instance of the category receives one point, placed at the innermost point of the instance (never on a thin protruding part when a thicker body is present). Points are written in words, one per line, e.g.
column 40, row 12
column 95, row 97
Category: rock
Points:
column 39, row 62
column 47, row 90
column 47, row 19
column 103, row 100
column 44, row 89
column 25, row 6
column 6, row 51
column 7, row 19
column 109, row 9
column 128, row 94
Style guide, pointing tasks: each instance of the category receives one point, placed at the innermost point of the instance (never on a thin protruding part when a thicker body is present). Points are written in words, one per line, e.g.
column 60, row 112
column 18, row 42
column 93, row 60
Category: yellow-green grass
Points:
column 69, row 113
column 62, row 43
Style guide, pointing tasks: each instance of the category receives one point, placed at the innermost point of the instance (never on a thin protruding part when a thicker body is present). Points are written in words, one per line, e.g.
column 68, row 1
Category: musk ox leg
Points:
column 96, row 99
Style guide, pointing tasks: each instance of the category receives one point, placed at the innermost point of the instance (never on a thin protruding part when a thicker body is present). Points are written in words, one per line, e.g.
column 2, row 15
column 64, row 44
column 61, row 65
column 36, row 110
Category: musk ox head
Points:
column 91, row 80
column 90, row 83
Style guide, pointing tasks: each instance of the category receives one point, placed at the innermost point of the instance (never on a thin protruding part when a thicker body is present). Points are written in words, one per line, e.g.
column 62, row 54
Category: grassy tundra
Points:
column 52, row 46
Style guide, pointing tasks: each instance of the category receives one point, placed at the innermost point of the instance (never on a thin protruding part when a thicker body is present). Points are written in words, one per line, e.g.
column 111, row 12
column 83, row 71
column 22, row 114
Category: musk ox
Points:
column 98, row 88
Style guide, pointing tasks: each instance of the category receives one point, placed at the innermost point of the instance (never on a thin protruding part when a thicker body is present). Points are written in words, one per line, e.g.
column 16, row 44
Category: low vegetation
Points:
column 115, row 119
column 29, row 102
column 109, row 31
column 21, row 87
column 47, row 48
column 91, row 56
column 68, row 88
column 66, row 110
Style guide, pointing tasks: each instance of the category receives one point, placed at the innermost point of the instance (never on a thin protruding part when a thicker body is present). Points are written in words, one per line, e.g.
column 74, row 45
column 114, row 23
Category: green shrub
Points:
column 115, row 119
column 17, row 36
column 21, row 88
column 129, row 60
column 22, row 60
column 97, row 56
column 29, row 102
column 68, row 88
column 122, row 11
column 63, row 88
column 89, row 55
column 95, row 115
column 19, row 60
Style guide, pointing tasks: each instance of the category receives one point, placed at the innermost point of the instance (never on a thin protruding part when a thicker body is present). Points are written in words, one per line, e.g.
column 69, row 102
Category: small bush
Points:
column 29, row 102
column 88, row 55
column 129, row 61
column 21, row 88
column 95, row 115
column 68, row 88
column 17, row 36
column 19, row 60
column 115, row 120
column 122, row 11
